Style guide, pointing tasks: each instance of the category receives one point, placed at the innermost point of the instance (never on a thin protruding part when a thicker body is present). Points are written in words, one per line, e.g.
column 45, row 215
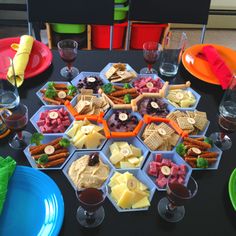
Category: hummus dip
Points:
column 86, row 176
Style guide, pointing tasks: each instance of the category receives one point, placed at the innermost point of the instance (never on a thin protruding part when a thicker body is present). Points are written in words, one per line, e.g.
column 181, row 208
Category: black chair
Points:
column 169, row 11
column 70, row 12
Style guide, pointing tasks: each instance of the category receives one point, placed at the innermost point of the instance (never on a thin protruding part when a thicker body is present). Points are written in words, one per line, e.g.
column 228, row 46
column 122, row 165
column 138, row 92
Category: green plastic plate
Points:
column 232, row 188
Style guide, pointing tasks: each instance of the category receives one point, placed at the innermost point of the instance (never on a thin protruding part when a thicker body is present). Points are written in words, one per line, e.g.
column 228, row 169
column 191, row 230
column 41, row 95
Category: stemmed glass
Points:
column 171, row 208
column 9, row 97
column 151, row 52
column 68, row 52
column 91, row 213
column 226, row 118
column 16, row 120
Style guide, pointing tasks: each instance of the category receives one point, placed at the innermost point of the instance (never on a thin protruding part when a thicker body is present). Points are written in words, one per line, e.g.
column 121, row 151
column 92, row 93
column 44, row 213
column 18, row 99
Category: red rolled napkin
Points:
column 218, row 66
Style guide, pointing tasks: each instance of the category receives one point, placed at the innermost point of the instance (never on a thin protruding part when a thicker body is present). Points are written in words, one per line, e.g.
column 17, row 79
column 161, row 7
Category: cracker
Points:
column 112, row 70
column 190, row 114
column 200, row 113
column 173, row 140
column 184, row 124
column 166, row 127
column 153, row 141
column 200, row 122
column 86, row 91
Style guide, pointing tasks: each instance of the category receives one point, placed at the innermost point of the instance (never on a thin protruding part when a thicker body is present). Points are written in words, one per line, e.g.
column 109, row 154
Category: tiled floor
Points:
column 223, row 37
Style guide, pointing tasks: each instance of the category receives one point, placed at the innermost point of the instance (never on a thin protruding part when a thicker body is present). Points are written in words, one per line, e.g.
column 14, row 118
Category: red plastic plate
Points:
column 40, row 56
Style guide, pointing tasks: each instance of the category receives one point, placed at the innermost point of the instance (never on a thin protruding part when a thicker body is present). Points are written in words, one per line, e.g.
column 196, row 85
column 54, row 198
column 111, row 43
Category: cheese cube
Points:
column 144, row 202
column 137, row 152
column 126, row 199
column 133, row 160
column 126, row 164
column 116, row 157
column 114, row 147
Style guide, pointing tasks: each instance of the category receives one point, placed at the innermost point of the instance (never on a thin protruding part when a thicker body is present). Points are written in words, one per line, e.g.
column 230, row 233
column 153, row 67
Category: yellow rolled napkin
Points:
column 20, row 60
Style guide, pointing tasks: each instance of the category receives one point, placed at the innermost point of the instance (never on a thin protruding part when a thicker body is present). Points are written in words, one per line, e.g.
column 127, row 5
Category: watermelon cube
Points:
column 158, row 157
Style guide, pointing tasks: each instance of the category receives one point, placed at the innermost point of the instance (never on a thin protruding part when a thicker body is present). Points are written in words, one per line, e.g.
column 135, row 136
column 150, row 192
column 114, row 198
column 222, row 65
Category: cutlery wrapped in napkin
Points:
column 20, row 60
column 218, row 66
column 7, row 167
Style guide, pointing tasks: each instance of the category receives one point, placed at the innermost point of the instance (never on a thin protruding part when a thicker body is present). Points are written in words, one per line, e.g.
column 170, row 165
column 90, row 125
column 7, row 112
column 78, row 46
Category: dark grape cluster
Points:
column 90, row 85
column 145, row 107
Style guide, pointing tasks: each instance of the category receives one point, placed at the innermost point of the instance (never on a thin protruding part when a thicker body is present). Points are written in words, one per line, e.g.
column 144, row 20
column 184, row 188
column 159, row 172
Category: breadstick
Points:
column 69, row 97
column 200, row 139
column 209, row 155
column 36, row 157
column 199, row 143
column 62, row 101
column 53, row 163
column 40, row 148
column 58, row 156
column 51, row 101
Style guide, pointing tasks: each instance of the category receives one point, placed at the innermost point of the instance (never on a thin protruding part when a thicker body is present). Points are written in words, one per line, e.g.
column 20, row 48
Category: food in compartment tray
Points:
column 88, row 171
column 197, row 152
column 163, row 168
column 51, row 154
column 148, row 85
column 120, row 94
column 122, row 121
column 85, row 134
column 160, row 137
column 54, row 121
column 153, row 107
column 129, row 192
column 57, row 93
column 88, row 104
column 118, row 73
column 181, row 98
column 90, row 82
column 191, row 122
column 125, row 155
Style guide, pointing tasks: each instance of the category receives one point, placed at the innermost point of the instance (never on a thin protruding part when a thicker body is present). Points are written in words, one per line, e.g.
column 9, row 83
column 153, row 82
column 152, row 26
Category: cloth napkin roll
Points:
column 218, row 66
column 21, row 59
column 7, row 167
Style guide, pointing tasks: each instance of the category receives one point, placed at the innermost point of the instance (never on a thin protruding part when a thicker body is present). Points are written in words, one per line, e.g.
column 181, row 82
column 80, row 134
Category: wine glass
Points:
column 226, row 118
column 91, row 213
column 151, row 52
column 68, row 52
column 171, row 208
column 16, row 120
column 9, row 96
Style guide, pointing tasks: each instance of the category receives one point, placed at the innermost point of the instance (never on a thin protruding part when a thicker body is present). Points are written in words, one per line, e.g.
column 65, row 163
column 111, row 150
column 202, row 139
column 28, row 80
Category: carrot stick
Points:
column 53, row 163
column 51, row 101
column 123, row 92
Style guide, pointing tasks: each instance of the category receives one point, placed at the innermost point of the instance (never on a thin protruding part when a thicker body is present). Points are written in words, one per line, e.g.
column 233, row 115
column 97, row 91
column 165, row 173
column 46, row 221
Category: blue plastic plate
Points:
column 34, row 205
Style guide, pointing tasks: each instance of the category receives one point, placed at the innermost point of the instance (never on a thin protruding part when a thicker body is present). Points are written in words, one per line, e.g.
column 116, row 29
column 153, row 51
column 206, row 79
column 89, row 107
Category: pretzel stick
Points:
column 53, row 163
column 211, row 160
column 58, row 156
column 114, row 99
column 51, row 101
column 60, row 86
column 199, row 143
column 209, row 155
column 123, row 92
column 36, row 157
column 40, row 148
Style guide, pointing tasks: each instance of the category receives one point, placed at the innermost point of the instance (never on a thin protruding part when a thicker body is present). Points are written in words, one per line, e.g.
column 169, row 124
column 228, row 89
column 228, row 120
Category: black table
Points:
column 208, row 213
